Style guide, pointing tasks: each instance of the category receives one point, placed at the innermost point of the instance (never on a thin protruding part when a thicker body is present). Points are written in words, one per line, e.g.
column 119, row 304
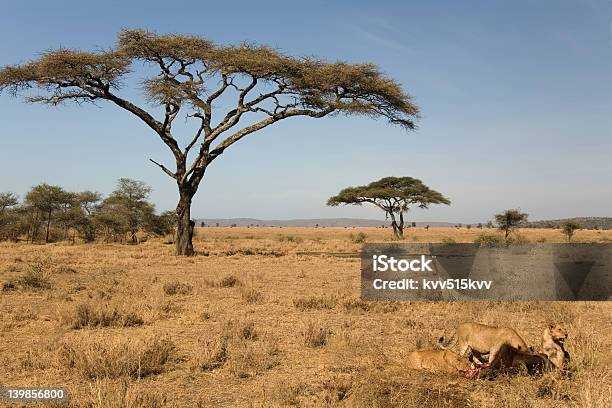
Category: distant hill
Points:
column 321, row 222
column 584, row 222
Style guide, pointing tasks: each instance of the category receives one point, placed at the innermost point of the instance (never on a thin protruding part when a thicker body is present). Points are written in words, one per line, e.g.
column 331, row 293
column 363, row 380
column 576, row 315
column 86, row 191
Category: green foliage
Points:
column 51, row 213
column 358, row 238
column 394, row 195
column 584, row 222
column 189, row 74
column 126, row 210
column 45, row 202
column 509, row 220
column 568, row 228
column 488, row 239
column 11, row 226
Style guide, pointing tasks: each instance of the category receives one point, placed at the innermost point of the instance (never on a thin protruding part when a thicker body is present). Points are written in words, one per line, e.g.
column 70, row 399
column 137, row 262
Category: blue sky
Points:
column 515, row 96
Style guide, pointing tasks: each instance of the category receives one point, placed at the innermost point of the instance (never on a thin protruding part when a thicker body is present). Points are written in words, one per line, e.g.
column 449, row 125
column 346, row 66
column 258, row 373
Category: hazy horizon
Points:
column 515, row 108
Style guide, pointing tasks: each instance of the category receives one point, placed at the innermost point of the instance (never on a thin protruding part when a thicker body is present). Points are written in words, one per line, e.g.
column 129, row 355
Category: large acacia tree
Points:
column 195, row 78
column 393, row 195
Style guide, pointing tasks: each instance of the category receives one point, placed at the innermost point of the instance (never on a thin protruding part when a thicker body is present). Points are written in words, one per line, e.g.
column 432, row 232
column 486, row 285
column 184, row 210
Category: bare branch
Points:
column 165, row 169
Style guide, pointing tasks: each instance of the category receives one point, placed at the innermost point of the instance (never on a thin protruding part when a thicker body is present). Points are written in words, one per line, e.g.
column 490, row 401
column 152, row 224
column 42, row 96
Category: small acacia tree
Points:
column 510, row 220
column 192, row 75
column 393, row 195
column 568, row 228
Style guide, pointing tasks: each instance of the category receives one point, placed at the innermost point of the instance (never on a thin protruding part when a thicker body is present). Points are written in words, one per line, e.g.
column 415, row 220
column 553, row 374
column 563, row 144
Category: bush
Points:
column 177, row 288
column 229, row 282
column 213, row 355
column 9, row 286
column 488, row 239
column 356, row 304
column 290, row 238
column 251, row 295
column 359, row 238
column 36, row 276
column 34, row 279
column 315, row 302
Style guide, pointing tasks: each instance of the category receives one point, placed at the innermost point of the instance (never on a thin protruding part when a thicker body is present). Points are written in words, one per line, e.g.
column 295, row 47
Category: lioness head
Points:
column 557, row 333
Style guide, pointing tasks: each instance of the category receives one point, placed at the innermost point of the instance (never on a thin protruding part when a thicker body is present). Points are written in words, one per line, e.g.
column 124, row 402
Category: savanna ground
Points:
column 265, row 317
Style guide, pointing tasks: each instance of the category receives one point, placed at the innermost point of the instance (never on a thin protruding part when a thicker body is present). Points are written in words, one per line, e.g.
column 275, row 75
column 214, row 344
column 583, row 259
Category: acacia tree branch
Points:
column 149, row 120
column 264, row 123
column 165, row 169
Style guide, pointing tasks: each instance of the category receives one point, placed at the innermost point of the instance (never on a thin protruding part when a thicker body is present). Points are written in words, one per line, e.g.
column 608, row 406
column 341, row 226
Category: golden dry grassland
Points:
column 265, row 317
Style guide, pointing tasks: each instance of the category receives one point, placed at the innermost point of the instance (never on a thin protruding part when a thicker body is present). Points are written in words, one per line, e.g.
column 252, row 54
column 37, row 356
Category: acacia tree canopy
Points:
column 192, row 75
column 393, row 195
column 509, row 220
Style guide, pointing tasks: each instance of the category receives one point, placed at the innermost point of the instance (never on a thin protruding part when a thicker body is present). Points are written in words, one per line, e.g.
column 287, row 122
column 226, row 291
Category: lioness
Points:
column 553, row 340
column 438, row 360
column 483, row 339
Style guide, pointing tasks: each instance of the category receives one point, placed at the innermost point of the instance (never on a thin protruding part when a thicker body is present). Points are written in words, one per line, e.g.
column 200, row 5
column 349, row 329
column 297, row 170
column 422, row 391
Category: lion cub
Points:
column 553, row 340
column 438, row 360
column 484, row 339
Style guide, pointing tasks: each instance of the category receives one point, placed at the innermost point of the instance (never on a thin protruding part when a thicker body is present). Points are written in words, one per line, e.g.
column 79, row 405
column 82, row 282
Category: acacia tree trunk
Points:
column 184, row 232
column 398, row 229
column 48, row 227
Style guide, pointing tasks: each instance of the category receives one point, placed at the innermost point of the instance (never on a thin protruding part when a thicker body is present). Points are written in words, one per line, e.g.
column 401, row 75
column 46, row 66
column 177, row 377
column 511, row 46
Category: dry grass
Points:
column 315, row 302
column 88, row 315
column 315, row 334
column 117, row 358
column 177, row 288
column 265, row 317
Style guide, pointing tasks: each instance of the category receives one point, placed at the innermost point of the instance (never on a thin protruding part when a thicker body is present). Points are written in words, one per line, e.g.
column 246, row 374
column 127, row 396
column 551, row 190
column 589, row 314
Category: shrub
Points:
column 290, row 238
column 177, row 288
column 9, row 286
column 488, row 239
column 34, row 279
column 36, row 276
column 359, row 238
column 315, row 302
column 213, row 355
column 239, row 330
column 229, row 282
column 356, row 304
column 63, row 269
column 251, row 295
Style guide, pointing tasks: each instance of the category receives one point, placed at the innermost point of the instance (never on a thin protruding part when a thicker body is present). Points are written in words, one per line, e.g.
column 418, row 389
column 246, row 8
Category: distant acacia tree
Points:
column 393, row 195
column 45, row 202
column 568, row 228
column 509, row 220
column 192, row 75
column 81, row 215
column 127, row 209
column 10, row 220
